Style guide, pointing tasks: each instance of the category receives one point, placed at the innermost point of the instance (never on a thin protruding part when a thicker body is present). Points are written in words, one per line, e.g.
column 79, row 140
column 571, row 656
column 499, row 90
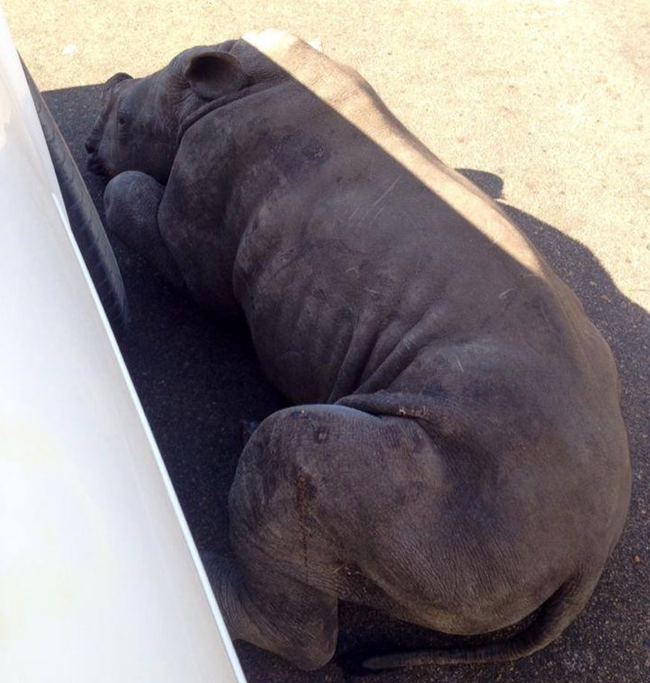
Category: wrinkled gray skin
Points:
column 458, row 458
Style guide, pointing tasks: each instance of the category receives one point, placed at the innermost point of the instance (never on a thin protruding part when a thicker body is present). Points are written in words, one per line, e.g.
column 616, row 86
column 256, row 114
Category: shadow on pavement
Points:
column 197, row 379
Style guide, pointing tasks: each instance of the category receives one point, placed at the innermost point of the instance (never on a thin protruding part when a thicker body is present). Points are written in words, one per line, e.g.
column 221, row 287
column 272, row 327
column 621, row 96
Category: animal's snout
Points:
column 94, row 164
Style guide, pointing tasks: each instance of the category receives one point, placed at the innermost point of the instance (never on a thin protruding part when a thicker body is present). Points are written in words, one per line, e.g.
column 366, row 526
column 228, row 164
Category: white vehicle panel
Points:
column 99, row 577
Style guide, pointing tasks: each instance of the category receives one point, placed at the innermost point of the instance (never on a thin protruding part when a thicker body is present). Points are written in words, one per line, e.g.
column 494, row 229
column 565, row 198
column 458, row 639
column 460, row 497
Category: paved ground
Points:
column 545, row 104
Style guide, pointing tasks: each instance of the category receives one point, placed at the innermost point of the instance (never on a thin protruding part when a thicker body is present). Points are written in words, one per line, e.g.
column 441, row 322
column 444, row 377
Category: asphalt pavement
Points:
column 544, row 105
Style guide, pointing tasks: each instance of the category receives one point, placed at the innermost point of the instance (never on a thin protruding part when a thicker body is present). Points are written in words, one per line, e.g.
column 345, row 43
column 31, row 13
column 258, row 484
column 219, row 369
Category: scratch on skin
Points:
column 505, row 293
column 387, row 192
column 460, row 365
column 381, row 197
column 376, row 216
column 351, row 216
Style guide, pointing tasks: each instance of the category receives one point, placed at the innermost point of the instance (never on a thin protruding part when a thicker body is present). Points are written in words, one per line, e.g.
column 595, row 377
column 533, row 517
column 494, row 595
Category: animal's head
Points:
column 139, row 124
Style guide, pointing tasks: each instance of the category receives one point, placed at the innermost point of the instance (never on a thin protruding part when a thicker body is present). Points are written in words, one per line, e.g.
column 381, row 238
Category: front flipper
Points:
column 131, row 201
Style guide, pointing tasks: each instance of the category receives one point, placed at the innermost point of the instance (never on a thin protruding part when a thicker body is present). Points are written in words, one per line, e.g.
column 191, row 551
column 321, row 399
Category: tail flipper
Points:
column 553, row 617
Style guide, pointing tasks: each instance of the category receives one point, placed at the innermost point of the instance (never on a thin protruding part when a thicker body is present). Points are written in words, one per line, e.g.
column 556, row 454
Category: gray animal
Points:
column 457, row 457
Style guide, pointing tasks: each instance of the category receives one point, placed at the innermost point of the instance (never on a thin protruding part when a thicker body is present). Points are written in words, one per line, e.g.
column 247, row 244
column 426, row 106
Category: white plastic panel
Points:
column 99, row 577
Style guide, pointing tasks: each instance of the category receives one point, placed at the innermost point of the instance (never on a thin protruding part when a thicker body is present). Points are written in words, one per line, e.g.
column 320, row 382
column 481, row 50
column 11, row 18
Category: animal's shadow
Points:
column 197, row 379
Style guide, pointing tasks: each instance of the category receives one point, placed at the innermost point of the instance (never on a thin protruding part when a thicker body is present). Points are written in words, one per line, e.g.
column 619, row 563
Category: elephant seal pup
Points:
column 457, row 457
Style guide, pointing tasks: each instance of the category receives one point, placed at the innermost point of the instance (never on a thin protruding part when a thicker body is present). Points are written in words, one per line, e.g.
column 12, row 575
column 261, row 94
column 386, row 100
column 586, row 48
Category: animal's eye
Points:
column 121, row 120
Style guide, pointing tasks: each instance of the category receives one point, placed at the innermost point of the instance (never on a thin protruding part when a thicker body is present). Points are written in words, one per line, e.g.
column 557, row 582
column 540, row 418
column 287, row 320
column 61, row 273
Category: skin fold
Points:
column 456, row 457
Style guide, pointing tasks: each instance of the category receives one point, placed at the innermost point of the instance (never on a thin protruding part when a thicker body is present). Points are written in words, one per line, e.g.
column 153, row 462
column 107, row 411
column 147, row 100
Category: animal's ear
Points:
column 109, row 86
column 212, row 74
column 117, row 78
